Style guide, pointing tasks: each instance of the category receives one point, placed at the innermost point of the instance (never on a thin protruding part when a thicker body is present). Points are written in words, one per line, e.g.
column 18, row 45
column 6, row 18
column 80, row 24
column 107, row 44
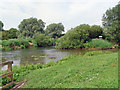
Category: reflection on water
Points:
column 36, row 55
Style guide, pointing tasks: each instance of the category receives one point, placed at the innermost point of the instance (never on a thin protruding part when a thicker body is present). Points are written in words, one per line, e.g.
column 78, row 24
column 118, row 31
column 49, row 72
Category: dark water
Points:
column 37, row 55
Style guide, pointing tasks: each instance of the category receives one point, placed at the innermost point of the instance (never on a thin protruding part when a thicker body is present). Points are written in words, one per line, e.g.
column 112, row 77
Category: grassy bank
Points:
column 89, row 71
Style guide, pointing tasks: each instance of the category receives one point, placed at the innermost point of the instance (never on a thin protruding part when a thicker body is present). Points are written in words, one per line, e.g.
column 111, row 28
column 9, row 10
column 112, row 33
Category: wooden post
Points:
column 10, row 70
column 9, row 74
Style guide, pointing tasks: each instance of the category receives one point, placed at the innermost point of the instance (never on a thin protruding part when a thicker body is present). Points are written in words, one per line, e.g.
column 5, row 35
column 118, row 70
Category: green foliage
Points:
column 24, row 42
column 74, row 38
column 11, row 42
column 20, row 72
column 16, row 48
column 22, row 46
column 32, row 41
column 98, row 43
column 1, row 26
column 8, row 48
column 15, row 43
column 49, row 64
column 41, row 40
column 54, row 30
column 39, row 66
column 98, row 71
column 28, row 27
column 4, row 35
column 95, row 31
column 111, row 23
column 92, row 53
column 116, row 45
column 12, row 33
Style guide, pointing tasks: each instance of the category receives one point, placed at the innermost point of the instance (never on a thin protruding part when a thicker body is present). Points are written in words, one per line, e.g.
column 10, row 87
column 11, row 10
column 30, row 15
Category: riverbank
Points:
column 96, row 70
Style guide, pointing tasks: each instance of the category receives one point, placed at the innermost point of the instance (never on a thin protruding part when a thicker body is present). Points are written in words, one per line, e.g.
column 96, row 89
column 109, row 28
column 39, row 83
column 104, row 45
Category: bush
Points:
column 74, row 38
column 24, row 42
column 98, row 43
column 22, row 46
column 41, row 40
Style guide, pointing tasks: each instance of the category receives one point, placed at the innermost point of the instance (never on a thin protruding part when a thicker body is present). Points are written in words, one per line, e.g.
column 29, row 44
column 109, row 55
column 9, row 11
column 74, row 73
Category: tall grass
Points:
column 98, row 43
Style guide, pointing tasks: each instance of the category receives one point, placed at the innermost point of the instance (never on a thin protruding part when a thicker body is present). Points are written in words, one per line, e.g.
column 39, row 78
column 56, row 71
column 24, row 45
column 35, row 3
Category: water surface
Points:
column 37, row 55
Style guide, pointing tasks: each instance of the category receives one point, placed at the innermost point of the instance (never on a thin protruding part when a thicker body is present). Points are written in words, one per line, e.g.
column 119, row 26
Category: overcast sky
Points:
column 69, row 12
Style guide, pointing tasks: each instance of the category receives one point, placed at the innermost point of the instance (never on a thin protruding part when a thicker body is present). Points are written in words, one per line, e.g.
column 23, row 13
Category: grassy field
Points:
column 95, row 71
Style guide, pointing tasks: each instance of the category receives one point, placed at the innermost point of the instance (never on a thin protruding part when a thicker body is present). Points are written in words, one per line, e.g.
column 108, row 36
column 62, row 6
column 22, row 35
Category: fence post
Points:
column 10, row 70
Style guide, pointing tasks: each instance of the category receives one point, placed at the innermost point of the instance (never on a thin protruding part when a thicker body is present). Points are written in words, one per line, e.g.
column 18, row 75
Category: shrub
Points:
column 74, row 38
column 24, row 42
column 116, row 45
column 98, row 43
column 22, row 46
column 41, row 40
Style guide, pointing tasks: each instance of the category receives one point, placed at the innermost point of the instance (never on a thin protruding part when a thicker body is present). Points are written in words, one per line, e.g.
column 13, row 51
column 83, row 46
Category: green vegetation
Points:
column 1, row 26
column 99, row 70
column 28, row 27
column 42, row 40
column 98, row 43
column 14, row 44
column 111, row 23
column 54, row 30
column 76, row 37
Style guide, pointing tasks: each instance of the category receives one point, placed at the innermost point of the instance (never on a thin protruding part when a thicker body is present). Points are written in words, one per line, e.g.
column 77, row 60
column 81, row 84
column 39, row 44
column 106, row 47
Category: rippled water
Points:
column 36, row 55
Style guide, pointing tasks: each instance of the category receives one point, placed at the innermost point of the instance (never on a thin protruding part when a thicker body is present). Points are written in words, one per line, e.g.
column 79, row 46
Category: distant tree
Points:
column 5, row 35
column 12, row 33
column 95, row 31
column 111, row 24
column 1, row 26
column 28, row 27
column 54, row 30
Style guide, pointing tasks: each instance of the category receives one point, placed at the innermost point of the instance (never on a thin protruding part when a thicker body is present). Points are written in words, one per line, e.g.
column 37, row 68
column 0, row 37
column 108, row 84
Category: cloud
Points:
column 70, row 12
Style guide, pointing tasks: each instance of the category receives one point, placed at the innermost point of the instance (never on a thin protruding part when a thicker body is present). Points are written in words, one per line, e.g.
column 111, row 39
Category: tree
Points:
column 5, row 35
column 12, row 33
column 95, row 31
column 74, row 38
column 41, row 39
column 54, row 30
column 111, row 24
column 1, row 26
column 28, row 27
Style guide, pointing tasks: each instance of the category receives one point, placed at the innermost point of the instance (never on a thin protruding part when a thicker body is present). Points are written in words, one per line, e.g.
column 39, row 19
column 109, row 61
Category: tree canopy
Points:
column 111, row 23
column 12, row 33
column 95, row 31
column 54, row 30
column 1, row 26
column 28, row 27
column 74, row 38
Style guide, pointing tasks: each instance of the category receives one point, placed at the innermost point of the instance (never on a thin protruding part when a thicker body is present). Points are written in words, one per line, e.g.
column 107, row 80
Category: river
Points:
column 37, row 55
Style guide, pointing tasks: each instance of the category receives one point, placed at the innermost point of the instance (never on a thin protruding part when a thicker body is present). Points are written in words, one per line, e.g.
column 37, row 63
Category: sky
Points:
column 70, row 13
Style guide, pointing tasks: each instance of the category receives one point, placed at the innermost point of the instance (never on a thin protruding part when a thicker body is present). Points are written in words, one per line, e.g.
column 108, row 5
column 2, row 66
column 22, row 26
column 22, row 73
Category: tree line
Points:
column 35, row 28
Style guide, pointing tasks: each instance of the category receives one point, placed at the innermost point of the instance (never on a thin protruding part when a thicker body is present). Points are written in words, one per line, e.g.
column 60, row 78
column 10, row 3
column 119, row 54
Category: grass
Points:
column 96, row 71
column 98, row 43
